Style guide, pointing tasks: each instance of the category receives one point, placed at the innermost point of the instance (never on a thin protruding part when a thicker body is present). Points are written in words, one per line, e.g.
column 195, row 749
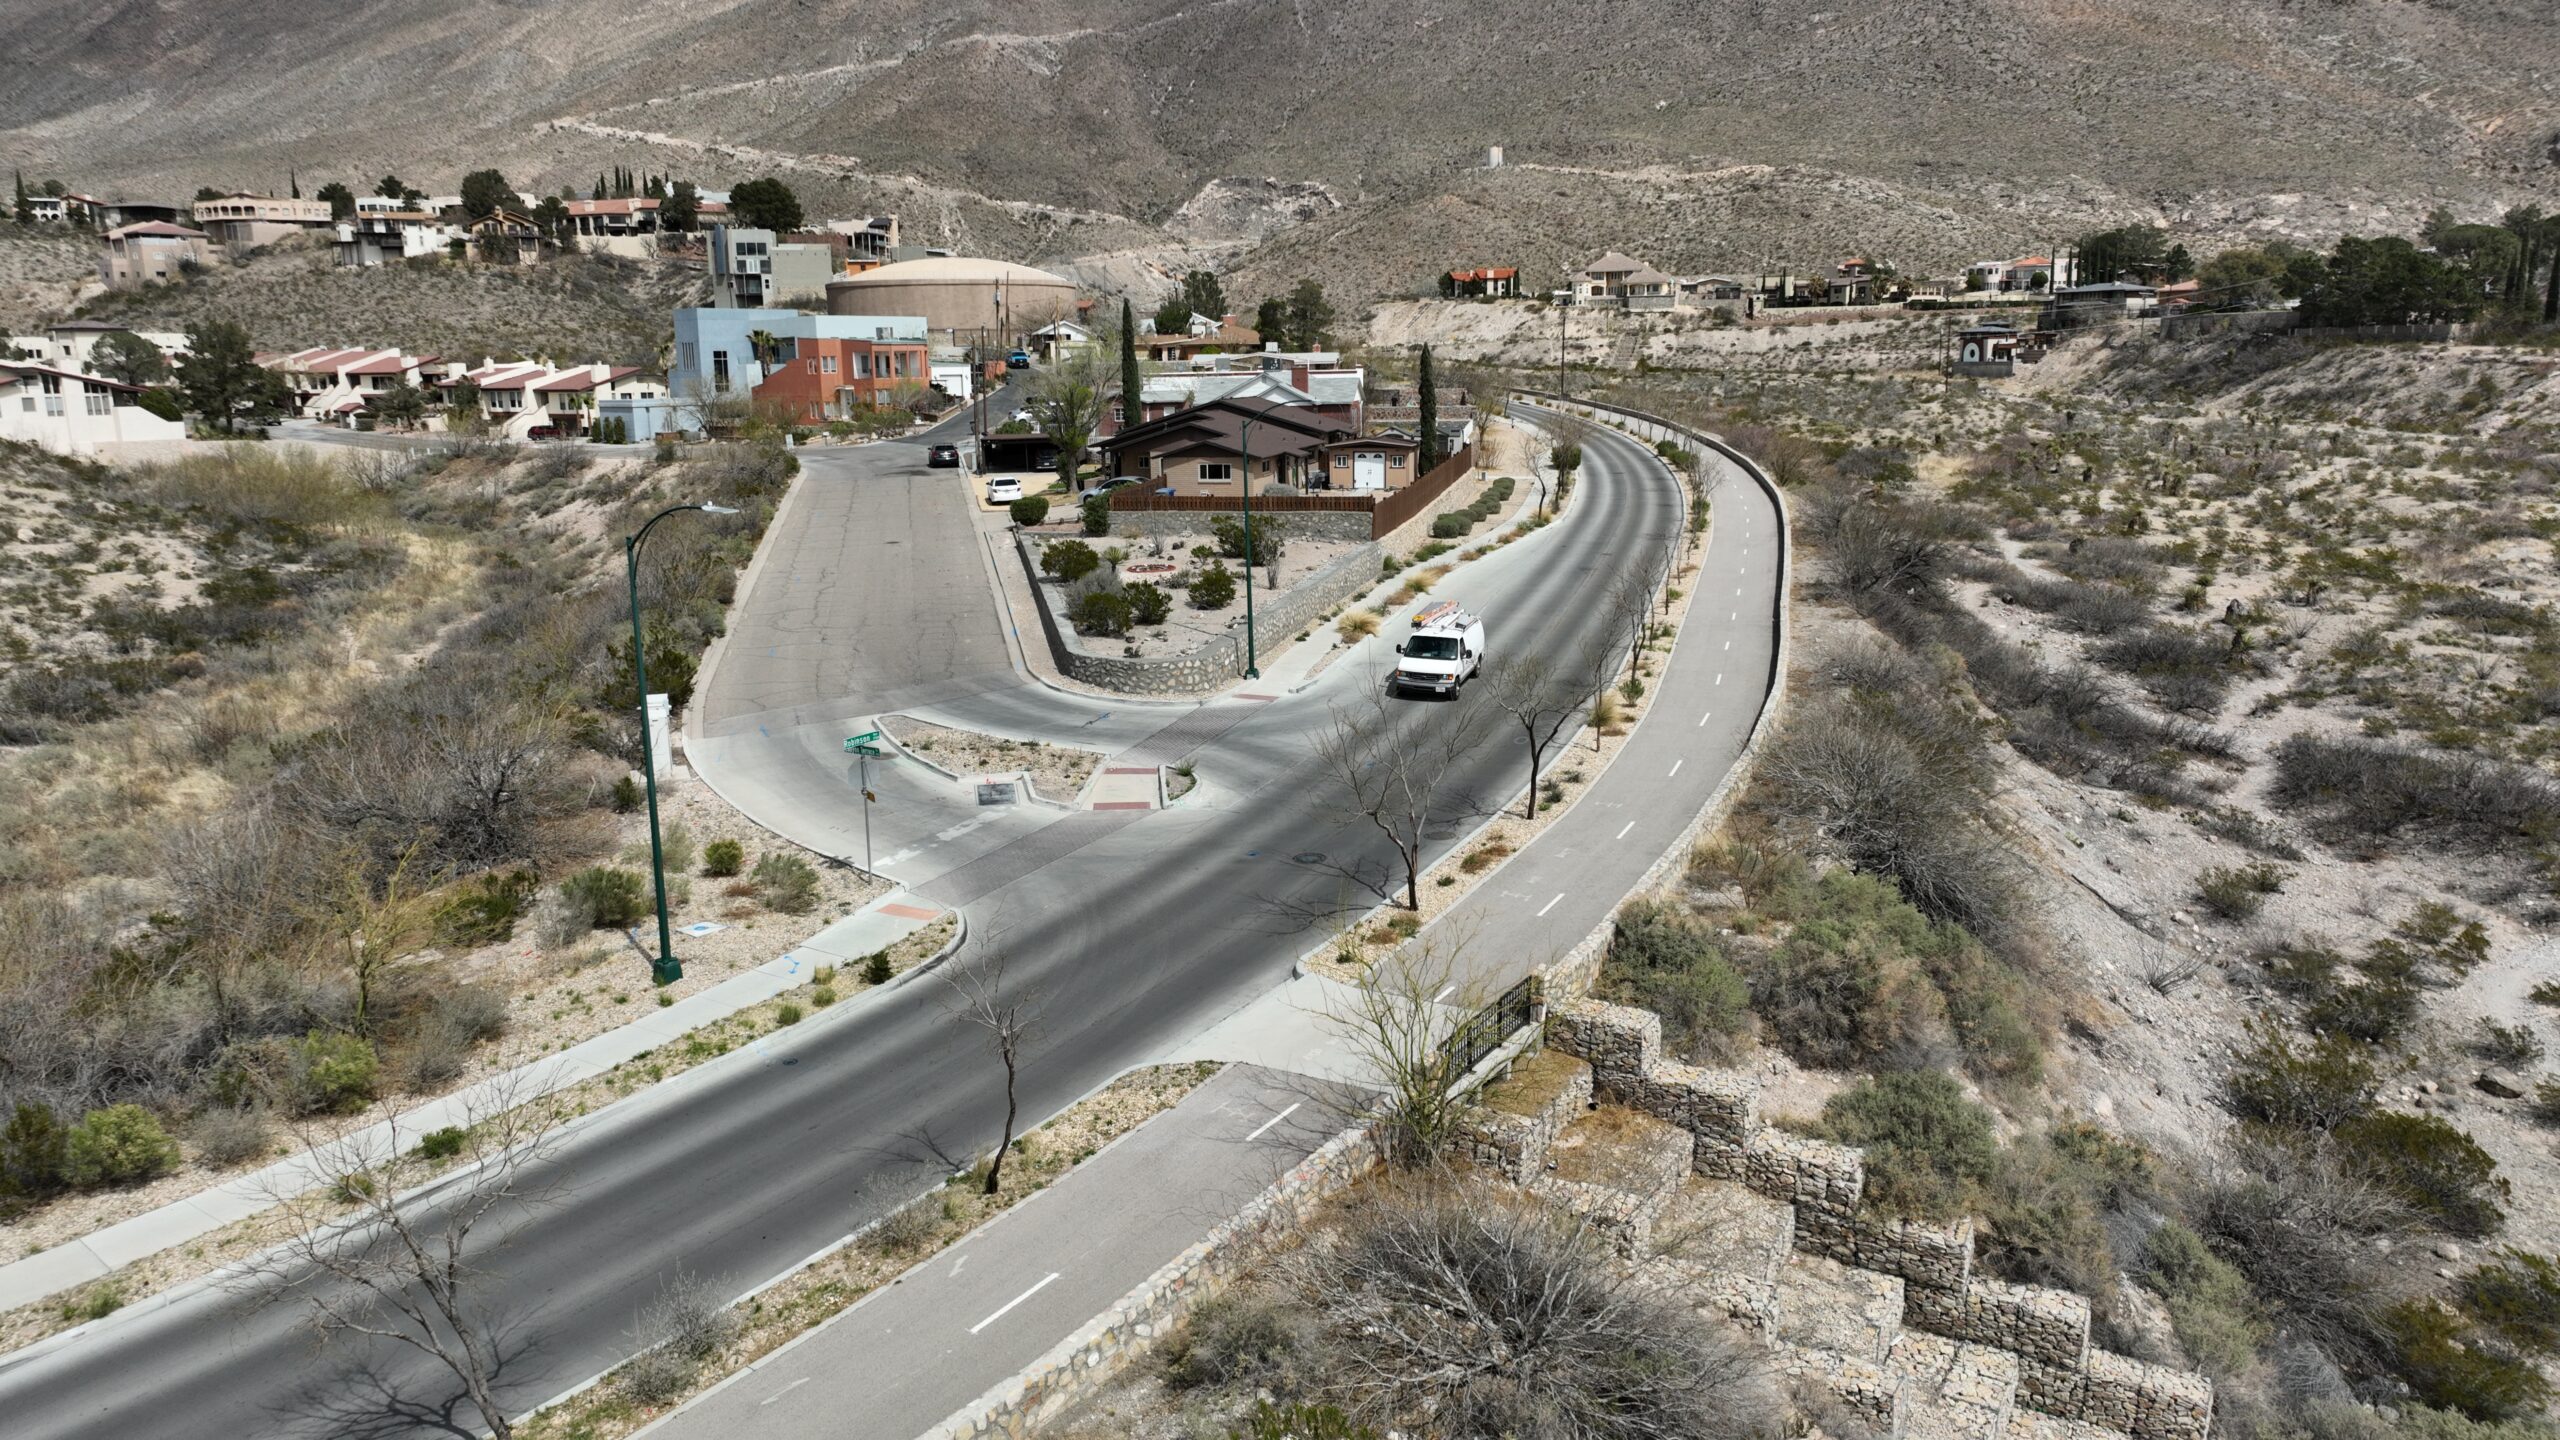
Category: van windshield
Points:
column 1432, row 647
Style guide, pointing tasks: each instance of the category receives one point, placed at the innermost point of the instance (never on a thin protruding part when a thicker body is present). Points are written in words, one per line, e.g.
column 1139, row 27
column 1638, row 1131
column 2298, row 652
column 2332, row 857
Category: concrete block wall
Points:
column 2047, row 1329
column 1193, row 525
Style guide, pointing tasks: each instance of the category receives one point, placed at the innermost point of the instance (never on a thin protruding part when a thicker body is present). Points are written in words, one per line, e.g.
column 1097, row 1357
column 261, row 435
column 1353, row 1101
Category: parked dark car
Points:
column 943, row 457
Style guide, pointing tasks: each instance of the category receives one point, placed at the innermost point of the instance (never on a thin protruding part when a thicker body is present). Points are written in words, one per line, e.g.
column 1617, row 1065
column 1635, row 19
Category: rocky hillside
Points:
column 1058, row 129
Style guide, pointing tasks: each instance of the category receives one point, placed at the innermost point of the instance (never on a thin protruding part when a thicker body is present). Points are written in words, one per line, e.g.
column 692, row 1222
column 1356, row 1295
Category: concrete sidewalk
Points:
column 876, row 926
column 912, row 1352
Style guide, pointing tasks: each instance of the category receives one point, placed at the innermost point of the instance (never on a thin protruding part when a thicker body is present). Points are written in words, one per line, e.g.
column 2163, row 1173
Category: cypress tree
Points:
column 1427, row 396
column 1131, row 383
column 24, row 213
column 293, row 183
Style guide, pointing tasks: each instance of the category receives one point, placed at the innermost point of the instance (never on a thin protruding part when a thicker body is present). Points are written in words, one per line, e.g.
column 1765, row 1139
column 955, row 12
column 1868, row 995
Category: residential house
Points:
column 2028, row 272
column 631, row 227
column 1481, row 282
column 1710, row 291
column 2097, row 304
column 73, row 344
column 1625, row 283
column 573, row 399
column 1201, row 335
column 116, row 214
column 336, row 383
column 1334, row 392
column 1057, row 338
column 1386, row 461
column 718, row 357
column 2180, row 295
column 45, row 209
column 150, row 253
column 74, row 414
column 1987, row 351
column 536, row 400
column 831, row 379
column 868, row 243
column 741, row 266
column 505, row 237
column 1222, row 446
column 241, row 221
column 376, row 236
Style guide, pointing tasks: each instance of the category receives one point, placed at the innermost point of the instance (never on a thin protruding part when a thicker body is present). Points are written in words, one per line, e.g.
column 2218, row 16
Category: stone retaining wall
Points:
column 1310, row 524
column 1215, row 661
column 1094, row 1355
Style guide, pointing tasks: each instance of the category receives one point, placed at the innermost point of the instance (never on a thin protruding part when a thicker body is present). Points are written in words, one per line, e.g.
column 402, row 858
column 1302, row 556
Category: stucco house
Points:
column 153, row 252
column 74, row 414
column 241, row 220
column 1626, row 283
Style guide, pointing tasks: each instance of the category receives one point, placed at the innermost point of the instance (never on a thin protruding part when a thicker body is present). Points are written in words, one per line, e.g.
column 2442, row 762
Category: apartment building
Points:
column 241, row 220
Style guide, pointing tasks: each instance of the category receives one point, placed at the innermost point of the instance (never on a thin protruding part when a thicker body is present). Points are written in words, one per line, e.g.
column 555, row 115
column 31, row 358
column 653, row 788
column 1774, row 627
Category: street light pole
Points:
column 1252, row 667
column 664, row 969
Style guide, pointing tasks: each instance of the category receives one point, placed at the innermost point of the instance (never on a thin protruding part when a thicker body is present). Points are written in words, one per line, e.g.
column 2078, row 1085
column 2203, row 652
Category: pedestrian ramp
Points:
column 1125, row 787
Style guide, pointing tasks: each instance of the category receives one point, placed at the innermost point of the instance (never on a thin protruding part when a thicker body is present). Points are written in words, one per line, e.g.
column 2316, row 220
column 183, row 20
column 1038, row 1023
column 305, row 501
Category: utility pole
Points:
column 1252, row 669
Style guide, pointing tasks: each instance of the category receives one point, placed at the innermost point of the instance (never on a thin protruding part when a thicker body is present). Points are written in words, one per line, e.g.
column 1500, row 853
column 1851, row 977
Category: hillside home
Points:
column 831, row 379
column 240, row 220
column 377, row 236
column 1386, row 461
column 1987, row 351
column 1481, row 282
column 72, row 344
column 335, row 383
column 1215, row 337
column 1208, row 449
column 868, row 243
column 45, row 209
column 151, row 253
column 505, row 237
column 535, row 400
column 631, row 227
column 1625, row 283
column 116, row 214
column 1334, row 392
column 718, row 356
column 1057, row 338
column 74, row 414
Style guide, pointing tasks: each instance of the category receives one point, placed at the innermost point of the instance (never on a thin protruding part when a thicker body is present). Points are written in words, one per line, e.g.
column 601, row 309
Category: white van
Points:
column 1444, row 652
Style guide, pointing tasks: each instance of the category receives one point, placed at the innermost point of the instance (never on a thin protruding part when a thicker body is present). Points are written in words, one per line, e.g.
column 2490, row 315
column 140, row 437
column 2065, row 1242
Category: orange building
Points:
column 831, row 379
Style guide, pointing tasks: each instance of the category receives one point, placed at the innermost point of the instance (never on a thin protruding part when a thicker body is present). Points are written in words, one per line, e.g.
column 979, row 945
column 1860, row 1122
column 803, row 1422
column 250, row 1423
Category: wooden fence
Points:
column 1386, row 510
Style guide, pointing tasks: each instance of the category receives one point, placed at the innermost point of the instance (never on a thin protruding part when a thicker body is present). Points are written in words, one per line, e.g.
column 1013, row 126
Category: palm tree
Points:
column 765, row 343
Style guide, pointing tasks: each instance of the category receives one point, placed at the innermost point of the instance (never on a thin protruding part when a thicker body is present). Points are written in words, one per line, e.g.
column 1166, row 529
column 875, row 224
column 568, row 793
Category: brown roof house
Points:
column 1207, row 449
column 151, row 253
column 1626, row 283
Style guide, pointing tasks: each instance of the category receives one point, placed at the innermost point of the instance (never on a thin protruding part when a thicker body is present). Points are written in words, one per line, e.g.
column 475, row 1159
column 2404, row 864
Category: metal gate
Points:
column 1484, row 1031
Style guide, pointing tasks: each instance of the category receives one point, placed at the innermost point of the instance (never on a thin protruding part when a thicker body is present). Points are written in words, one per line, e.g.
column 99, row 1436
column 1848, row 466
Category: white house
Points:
column 45, row 209
column 335, row 384
column 373, row 237
column 74, row 414
column 70, row 344
column 535, row 400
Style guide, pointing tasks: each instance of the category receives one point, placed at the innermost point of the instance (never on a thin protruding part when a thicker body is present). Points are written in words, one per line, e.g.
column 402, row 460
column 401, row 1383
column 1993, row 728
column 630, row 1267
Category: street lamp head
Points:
column 719, row 509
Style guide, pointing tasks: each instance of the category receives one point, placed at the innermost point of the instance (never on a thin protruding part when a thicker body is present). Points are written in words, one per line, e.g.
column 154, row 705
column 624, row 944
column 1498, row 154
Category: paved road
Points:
column 1134, row 930
column 914, row 1352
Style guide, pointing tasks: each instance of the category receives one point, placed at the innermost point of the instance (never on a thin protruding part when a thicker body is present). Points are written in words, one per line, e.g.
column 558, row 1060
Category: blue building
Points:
column 714, row 358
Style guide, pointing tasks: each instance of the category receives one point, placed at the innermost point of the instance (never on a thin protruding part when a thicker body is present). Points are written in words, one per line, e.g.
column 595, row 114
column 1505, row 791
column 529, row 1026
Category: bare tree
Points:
column 375, row 1252
column 1396, row 1027
column 1545, row 700
column 1631, row 601
column 1393, row 763
column 1567, row 434
column 980, row 997
column 370, row 927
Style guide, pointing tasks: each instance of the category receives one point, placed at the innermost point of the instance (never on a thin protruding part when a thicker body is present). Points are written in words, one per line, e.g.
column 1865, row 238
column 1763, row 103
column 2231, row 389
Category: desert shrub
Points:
column 483, row 909
column 2373, row 788
column 2047, row 1220
column 225, row 1137
column 1450, row 524
column 908, row 1228
column 333, row 1072
column 1100, row 612
column 723, row 858
column 682, row 1330
column 2182, row 669
column 786, row 883
column 1270, row 535
column 2376, row 1011
column 788, row 1013
column 2441, row 1173
column 2314, row 1084
column 1669, row 963
column 2209, row 1301
column 1928, row 1146
column 626, row 796
column 1095, row 513
column 605, row 897
column 1847, row 998
column 2447, row 1364
column 1029, row 510
column 2238, row 892
column 1069, row 560
column 1148, row 604
column 443, row 1144
column 821, row 996
column 1301, row 1422
column 1213, row 588
column 2305, row 1231
column 1244, row 1339
column 875, row 968
column 2515, row 1296
column 117, row 1145
column 33, row 1151
column 2505, row 1044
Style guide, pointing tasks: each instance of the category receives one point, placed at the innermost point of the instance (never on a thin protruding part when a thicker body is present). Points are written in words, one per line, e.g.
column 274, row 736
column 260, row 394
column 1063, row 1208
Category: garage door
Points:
column 1369, row 471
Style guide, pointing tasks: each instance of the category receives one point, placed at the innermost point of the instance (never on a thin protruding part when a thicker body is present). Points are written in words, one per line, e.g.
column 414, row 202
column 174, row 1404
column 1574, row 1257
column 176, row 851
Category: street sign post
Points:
column 855, row 744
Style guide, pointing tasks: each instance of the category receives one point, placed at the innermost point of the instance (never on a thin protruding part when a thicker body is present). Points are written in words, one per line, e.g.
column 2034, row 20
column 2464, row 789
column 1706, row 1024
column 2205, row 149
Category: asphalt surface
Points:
column 1130, row 931
column 913, row 1352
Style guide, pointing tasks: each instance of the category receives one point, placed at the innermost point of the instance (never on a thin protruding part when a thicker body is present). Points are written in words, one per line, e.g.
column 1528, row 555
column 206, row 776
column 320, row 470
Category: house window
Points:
column 684, row 356
column 1395, row 462
column 100, row 403
column 1216, row 472
column 720, row 370
column 1341, row 462
column 827, row 364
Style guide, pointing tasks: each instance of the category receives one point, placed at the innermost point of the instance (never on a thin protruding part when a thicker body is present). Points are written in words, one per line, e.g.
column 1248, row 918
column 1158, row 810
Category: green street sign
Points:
column 870, row 751
column 854, row 744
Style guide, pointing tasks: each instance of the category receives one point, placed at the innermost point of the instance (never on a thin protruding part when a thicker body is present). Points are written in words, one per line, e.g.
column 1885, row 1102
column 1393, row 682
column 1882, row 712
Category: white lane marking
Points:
column 1736, row 615
column 1550, row 905
column 785, row 1390
column 1622, row 830
column 1675, row 766
column 1703, row 719
column 1719, row 677
column 1444, row 993
column 1285, row 1114
column 1728, row 644
column 1009, row 1304
column 956, row 1264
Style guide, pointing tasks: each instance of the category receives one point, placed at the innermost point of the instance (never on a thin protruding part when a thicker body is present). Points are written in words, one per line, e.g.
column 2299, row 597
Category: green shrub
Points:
column 2305, row 1085
column 1449, row 525
column 333, row 1072
column 1148, row 604
column 1213, row 588
column 1237, row 1339
column 2498, row 1044
column 786, row 883
column 2517, row 1297
column 1300, row 1422
column 118, row 1145
column 606, row 897
column 2238, row 892
column 626, row 795
column 1270, row 533
column 1669, row 963
column 1846, row 995
column 442, row 1144
column 33, row 1151
column 821, row 996
column 225, row 1137
column 1095, row 512
column 1029, row 510
column 1069, row 560
column 1927, row 1145
column 2376, row 1011
column 2441, row 1173
column 92, row 1304
column 787, row 1013
column 483, row 909
column 723, row 858
column 2216, row 1314
column 1101, row 612
column 875, row 968
column 2447, row 1364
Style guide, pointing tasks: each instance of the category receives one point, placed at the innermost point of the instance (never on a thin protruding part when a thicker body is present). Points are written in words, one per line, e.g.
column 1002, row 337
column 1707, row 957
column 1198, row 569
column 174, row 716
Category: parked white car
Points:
column 1003, row 490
